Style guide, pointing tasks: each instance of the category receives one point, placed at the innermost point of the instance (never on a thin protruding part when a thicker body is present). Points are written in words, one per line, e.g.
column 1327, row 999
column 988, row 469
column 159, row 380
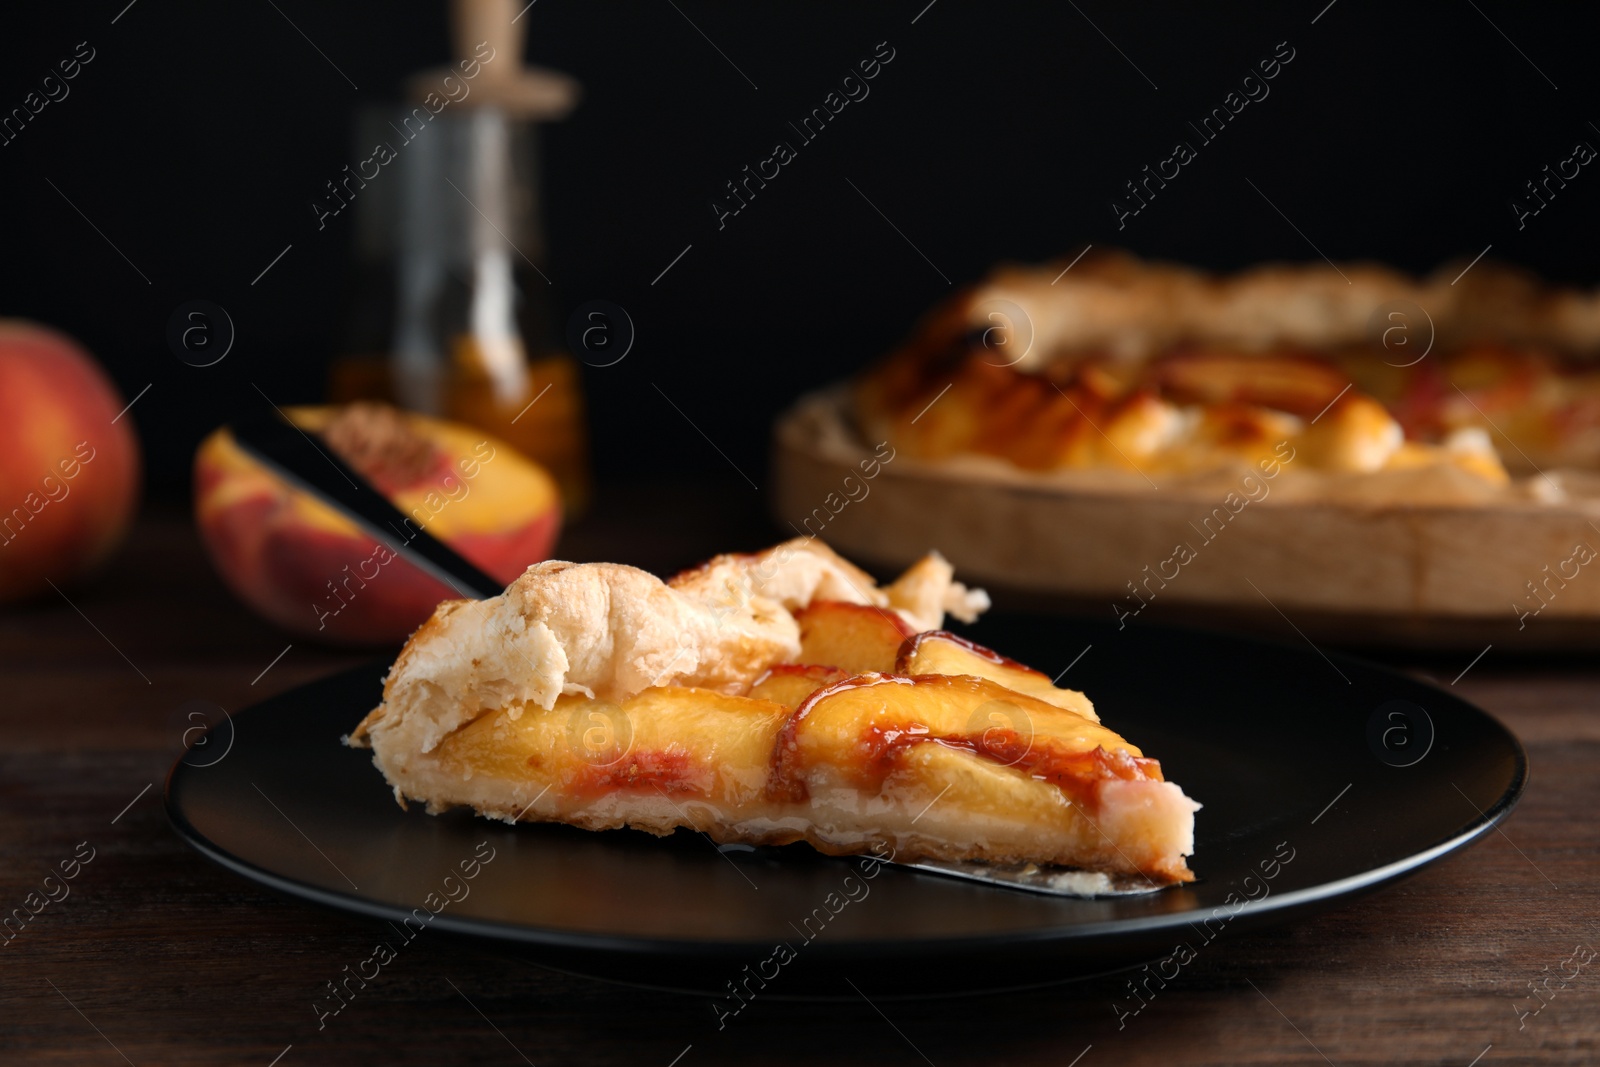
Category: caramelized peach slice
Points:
column 790, row 683
column 675, row 739
column 853, row 637
column 1285, row 381
column 856, row 731
column 955, row 765
column 941, row 652
column 1133, row 826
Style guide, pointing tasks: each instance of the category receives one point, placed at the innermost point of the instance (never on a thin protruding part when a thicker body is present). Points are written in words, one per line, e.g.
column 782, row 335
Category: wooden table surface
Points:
column 159, row 956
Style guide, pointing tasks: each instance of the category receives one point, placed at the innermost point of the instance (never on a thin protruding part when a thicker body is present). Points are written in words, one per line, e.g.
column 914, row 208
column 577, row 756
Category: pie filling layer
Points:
column 1346, row 373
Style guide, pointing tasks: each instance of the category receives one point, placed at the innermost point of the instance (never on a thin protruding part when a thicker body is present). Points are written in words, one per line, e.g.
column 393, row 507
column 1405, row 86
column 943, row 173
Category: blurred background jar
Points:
column 450, row 311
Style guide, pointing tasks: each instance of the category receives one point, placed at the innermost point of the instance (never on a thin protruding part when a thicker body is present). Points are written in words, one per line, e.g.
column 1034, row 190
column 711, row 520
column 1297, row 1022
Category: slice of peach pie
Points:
column 765, row 699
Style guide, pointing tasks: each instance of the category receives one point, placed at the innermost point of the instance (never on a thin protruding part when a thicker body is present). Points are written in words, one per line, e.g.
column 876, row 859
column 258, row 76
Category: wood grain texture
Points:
column 176, row 961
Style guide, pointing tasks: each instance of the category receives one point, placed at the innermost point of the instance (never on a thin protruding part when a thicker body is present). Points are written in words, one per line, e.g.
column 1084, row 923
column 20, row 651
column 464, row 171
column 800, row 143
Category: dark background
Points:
column 200, row 133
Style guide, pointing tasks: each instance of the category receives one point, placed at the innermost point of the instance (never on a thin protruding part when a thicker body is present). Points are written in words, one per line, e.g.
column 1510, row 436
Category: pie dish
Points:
column 767, row 699
column 1373, row 456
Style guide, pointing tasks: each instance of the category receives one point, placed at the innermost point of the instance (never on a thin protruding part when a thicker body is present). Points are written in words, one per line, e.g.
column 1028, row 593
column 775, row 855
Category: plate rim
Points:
column 545, row 937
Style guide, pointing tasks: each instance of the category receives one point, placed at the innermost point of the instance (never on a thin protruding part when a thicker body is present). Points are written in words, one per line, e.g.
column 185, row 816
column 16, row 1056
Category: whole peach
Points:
column 69, row 465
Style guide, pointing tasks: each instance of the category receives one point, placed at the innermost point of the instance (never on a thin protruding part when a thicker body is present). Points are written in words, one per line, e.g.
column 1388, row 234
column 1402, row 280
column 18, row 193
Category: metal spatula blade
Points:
column 1050, row 881
column 308, row 464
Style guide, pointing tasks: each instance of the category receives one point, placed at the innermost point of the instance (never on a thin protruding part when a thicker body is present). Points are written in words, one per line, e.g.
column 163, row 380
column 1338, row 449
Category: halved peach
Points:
column 790, row 683
column 942, row 652
column 308, row 568
column 853, row 637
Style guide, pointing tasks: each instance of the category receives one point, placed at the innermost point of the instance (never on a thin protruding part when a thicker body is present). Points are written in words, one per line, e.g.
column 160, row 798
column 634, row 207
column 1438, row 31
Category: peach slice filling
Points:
column 939, row 652
column 852, row 637
column 958, row 752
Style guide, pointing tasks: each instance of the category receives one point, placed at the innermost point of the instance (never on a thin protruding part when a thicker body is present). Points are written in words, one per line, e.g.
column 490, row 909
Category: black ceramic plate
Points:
column 1321, row 778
